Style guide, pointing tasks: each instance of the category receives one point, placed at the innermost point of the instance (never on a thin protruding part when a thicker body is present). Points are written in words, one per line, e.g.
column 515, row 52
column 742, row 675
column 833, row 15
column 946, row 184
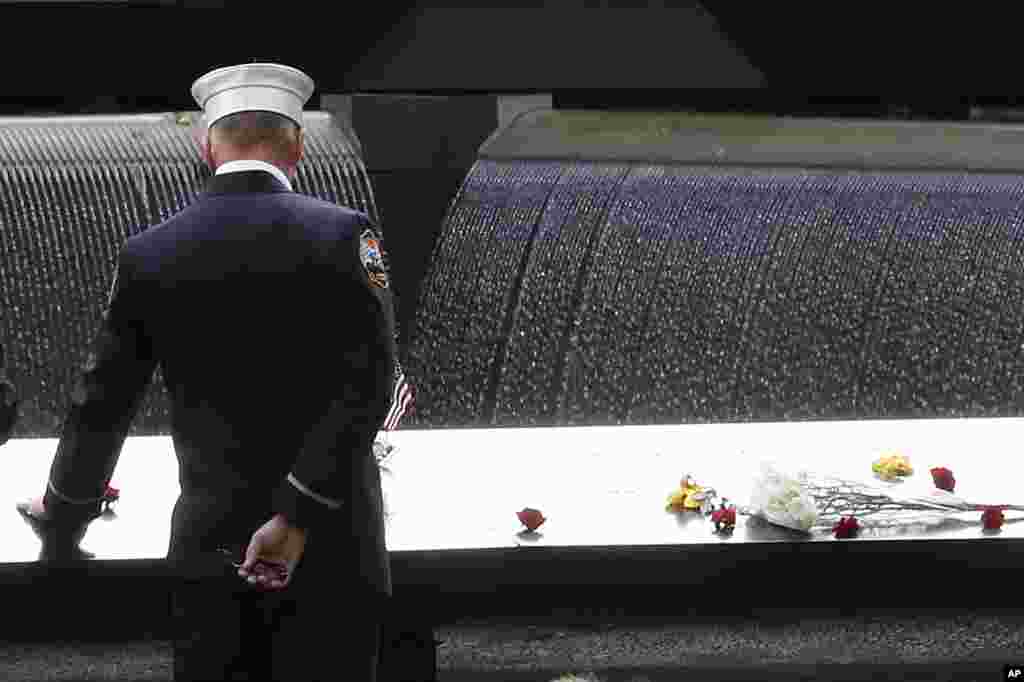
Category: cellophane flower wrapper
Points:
column 782, row 498
column 382, row 453
column 874, row 506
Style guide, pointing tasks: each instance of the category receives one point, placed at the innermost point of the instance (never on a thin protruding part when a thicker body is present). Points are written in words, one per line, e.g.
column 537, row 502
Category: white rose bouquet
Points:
column 808, row 503
column 782, row 498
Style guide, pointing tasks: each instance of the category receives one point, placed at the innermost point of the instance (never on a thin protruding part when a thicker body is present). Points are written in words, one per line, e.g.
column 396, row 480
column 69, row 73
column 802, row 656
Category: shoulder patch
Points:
column 372, row 259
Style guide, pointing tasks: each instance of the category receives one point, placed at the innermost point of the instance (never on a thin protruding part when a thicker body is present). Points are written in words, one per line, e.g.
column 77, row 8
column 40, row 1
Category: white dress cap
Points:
column 252, row 87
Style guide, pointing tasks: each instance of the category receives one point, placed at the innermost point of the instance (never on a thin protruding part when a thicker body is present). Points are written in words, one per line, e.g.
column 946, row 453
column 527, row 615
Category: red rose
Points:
column 992, row 518
column 531, row 518
column 943, row 478
column 846, row 528
column 724, row 518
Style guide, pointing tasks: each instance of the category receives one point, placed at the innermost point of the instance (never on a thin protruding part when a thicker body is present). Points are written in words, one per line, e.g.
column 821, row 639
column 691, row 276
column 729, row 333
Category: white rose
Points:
column 781, row 499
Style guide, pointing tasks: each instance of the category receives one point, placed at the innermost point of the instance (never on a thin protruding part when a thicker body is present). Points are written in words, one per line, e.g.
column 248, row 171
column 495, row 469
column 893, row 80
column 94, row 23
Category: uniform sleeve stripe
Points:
column 332, row 504
column 72, row 500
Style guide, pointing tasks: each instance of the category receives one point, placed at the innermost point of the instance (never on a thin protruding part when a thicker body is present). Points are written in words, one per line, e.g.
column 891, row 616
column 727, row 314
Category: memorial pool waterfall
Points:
column 597, row 268
column 568, row 290
column 72, row 189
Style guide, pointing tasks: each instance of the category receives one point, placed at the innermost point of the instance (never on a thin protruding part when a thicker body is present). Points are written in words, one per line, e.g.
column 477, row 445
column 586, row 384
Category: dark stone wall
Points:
column 381, row 47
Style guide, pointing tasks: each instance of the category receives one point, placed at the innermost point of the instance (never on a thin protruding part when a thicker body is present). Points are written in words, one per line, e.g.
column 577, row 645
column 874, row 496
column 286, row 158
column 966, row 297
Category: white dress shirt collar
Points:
column 251, row 165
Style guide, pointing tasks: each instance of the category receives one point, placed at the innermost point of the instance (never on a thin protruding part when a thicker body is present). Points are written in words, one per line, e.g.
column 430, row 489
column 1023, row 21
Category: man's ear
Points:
column 207, row 153
column 201, row 137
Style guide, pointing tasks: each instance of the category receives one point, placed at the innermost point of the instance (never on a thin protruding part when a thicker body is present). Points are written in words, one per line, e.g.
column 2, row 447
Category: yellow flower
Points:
column 686, row 497
column 891, row 467
column 691, row 501
column 676, row 501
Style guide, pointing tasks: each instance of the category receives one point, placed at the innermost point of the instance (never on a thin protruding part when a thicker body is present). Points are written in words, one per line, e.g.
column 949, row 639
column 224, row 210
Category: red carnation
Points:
column 724, row 518
column 943, row 478
column 992, row 518
column 110, row 496
column 846, row 528
column 531, row 518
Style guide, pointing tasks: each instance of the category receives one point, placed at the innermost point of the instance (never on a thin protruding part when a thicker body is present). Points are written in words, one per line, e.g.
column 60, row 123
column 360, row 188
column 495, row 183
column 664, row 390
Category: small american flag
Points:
column 402, row 398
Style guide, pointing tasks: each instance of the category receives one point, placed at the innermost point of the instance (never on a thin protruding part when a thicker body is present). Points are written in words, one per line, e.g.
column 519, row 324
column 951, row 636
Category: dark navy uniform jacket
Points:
column 278, row 357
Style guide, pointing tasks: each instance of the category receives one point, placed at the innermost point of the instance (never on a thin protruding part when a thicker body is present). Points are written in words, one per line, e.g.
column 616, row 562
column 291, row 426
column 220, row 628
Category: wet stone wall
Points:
column 581, row 293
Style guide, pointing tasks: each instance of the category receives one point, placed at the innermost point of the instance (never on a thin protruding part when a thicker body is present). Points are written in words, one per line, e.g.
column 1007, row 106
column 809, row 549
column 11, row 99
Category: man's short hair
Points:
column 246, row 129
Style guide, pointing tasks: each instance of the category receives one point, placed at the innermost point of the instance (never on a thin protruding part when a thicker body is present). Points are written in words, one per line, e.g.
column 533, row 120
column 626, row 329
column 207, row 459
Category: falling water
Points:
column 529, row 385
column 473, row 287
column 71, row 191
column 576, row 293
